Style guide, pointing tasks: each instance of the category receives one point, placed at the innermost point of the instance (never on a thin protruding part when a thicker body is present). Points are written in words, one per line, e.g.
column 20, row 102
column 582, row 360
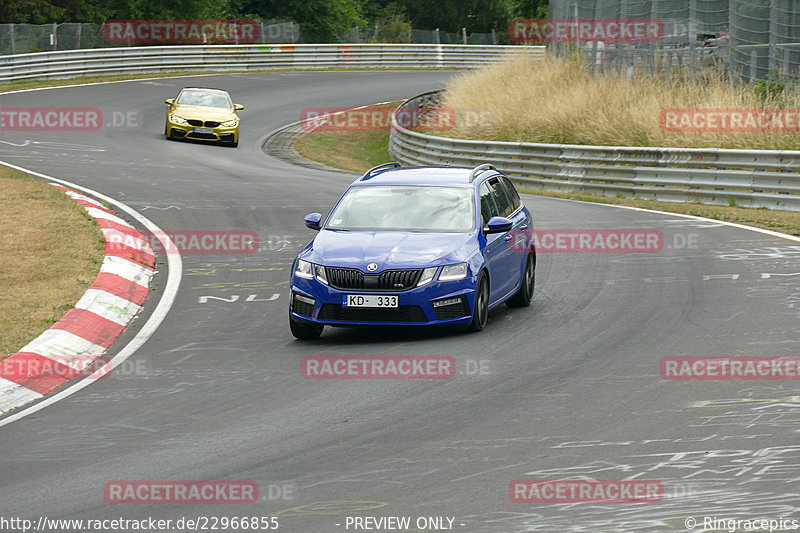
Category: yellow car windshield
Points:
column 203, row 98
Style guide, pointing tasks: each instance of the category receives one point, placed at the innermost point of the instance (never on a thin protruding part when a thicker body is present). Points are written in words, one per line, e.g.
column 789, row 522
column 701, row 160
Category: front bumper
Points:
column 218, row 134
column 415, row 306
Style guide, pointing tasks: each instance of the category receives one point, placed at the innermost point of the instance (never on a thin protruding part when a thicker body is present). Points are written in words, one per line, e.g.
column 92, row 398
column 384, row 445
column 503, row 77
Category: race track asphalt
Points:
column 568, row 388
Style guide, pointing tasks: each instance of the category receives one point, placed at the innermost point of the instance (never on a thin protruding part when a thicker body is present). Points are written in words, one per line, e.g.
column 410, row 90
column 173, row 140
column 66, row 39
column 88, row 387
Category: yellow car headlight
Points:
column 177, row 120
column 230, row 123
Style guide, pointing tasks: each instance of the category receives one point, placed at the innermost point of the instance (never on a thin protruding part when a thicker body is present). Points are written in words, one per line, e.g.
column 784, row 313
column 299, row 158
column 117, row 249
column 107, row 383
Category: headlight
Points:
column 303, row 269
column 230, row 123
column 427, row 276
column 453, row 272
column 176, row 119
column 321, row 274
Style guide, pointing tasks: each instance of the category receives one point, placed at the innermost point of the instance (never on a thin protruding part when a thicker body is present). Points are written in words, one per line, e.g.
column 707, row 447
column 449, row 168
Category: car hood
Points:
column 389, row 249
column 217, row 114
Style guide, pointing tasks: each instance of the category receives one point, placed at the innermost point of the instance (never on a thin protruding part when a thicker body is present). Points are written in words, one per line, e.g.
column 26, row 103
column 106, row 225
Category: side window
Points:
column 512, row 194
column 488, row 209
column 504, row 207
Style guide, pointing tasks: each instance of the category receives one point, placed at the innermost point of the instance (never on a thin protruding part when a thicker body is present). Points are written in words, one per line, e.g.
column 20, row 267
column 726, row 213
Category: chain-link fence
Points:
column 364, row 35
column 748, row 39
column 28, row 38
column 446, row 37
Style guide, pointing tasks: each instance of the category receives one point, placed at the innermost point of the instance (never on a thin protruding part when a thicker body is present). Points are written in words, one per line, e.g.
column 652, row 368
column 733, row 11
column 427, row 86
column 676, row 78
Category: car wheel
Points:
column 480, row 312
column 303, row 331
column 166, row 132
column 523, row 297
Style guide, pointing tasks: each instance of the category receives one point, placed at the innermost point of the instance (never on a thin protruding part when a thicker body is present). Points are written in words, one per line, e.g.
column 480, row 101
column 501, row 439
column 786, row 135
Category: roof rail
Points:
column 477, row 170
column 374, row 170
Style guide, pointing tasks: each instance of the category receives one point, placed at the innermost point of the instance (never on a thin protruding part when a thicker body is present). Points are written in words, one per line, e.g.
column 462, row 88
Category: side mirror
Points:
column 313, row 220
column 238, row 107
column 499, row 225
column 169, row 101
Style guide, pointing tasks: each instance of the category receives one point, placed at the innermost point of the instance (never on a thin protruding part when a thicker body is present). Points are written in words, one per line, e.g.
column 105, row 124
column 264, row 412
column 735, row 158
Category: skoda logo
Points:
column 372, row 267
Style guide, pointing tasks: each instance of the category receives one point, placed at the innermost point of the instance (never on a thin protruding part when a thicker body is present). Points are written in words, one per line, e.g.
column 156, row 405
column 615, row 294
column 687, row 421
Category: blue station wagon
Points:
column 415, row 246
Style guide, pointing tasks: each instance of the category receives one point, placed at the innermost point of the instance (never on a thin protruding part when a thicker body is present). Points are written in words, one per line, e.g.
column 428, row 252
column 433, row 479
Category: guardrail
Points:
column 151, row 59
column 757, row 178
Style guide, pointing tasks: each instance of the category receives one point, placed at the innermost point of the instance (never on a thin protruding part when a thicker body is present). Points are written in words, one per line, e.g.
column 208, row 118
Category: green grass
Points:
column 357, row 151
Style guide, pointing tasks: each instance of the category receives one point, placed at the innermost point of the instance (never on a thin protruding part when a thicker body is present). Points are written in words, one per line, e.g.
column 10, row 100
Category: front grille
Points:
column 345, row 278
column 197, row 123
column 403, row 313
column 211, row 124
column 195, row 135
column 452, row 311
column 388, row 280
column 398, row 280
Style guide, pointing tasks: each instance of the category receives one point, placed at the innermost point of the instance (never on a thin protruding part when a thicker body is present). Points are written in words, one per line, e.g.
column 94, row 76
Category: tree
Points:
column 452, row 15
column 30, row 12
column 530, row 9
column 320, row 20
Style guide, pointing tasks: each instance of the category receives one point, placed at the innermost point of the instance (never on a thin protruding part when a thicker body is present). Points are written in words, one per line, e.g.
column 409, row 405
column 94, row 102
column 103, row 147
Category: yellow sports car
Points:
column 204, row 115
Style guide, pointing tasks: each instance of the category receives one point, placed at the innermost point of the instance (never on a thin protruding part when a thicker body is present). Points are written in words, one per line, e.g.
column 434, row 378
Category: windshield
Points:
column 203, row 98
column 402, row 208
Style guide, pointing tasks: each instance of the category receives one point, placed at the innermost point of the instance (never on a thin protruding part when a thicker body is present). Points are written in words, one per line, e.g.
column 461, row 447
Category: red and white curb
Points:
column 74, row 346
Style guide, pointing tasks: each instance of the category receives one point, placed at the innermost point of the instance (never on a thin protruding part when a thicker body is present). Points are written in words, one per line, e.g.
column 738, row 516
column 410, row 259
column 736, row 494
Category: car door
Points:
column 509, row 261
column 522, row 231
column 496, row 251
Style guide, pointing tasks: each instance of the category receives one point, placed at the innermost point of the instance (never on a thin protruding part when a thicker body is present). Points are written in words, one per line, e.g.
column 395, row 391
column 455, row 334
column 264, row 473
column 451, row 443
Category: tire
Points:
column 305, row 332
column 480, row 311
column 523, row 297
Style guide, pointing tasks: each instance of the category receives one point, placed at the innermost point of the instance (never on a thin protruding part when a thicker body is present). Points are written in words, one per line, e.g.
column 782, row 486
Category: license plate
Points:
column 369, row 300
column 204, row 130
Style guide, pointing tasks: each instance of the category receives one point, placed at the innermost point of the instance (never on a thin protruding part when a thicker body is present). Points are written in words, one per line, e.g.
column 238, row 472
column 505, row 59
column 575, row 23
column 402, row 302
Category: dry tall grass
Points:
column 559, row 101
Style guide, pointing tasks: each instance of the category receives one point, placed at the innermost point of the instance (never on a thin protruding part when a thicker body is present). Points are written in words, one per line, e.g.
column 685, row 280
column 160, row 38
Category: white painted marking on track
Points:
column 99, row 213
column 680, row 215
column 108, row 306
column 12, row 395
column 65, row 347
column 126, row 269
column 56, row 145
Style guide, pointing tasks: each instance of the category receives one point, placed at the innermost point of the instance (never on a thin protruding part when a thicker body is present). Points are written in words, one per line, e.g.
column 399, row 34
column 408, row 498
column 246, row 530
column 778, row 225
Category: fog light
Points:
column 303, row 299
column 448, row 301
